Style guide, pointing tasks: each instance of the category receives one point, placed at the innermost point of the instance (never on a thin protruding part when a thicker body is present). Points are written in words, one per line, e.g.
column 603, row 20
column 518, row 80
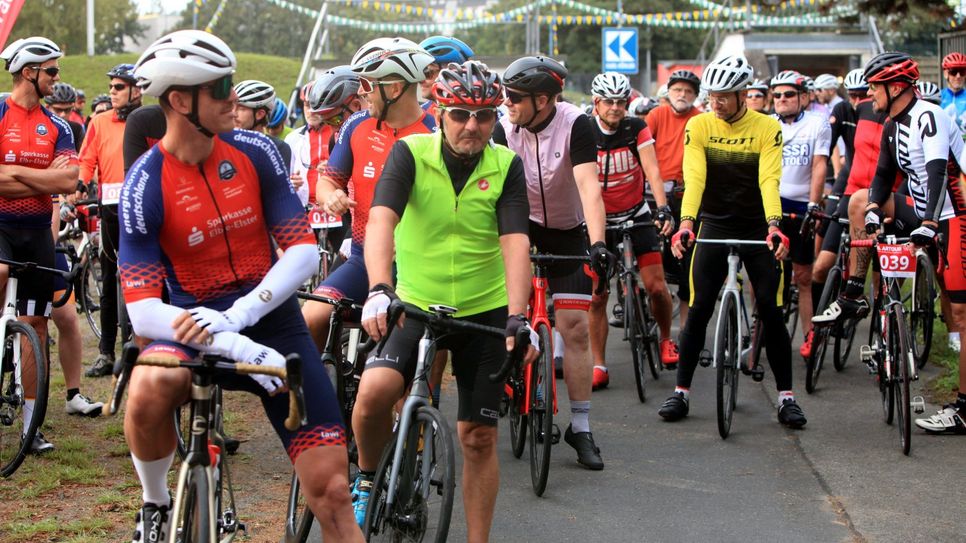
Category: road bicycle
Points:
column 83, row 235
column 204, row 508
column 321, row 222
column 921, row 304
column 415, row 484
column 890, row 355
column 20, row 344
column 640, row 326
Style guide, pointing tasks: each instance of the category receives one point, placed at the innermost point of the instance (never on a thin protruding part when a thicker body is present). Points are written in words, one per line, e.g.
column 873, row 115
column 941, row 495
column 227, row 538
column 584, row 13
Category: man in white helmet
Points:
column 40, row 160
column 255, row 105
column 203, row 212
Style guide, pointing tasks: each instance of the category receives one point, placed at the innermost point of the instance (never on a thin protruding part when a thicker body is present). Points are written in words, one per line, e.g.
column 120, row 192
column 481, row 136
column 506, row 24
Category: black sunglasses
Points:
column 117, row 86
column 460, row 115
column 956, row 71
column 858, row 94
column 514, row 97
column 786, row 94
column 52, row 71
column 220, row 89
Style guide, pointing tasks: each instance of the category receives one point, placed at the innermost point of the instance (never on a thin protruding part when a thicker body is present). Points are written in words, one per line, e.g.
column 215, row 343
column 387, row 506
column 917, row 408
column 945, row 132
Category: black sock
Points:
column 370, row 475
column 817, row 289
column 961, row 401
column 854, row 287
column 71, row 392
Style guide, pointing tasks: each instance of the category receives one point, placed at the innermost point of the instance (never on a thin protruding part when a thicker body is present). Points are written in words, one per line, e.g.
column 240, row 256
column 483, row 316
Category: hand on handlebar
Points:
column 665, row 220
column 374, row 312
column 682, row 240
column 873, row 219
column 925, row 234
column 515, row 326
column 777, row 242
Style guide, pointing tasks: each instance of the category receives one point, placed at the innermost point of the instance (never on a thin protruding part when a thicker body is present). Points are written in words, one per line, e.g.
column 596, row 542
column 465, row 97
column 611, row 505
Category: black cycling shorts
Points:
column 570, row 282
column 35, row 290
column 801, row 250
column 644, row 240
column 475, row 357
column 833, row 233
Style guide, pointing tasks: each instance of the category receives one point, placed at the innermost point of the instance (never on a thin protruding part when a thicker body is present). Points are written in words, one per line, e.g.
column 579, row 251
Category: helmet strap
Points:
column 739, row 112
column 40, row 95
column 386, row 102
column 192, row 116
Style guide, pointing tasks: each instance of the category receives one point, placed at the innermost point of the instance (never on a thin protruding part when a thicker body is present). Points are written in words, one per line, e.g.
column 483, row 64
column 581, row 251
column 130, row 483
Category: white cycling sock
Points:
column 580, row 416
column 558, row 344
column 785, row 395
column 28, row 413
column 154, row 478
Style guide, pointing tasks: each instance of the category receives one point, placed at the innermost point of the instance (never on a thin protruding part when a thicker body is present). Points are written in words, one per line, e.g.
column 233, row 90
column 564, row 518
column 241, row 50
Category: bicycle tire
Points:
column 634, row 330
column 901, row 359
column 193, row 521
column 298, row 516
column 821, row 334
column 652, row 338
column 923, row 312
column 726, row 358
column 790, row 311
column 410, row 515
column 182, row 429
column 540, row 437
column 91, row 278
column 13, row 448
column 519, row 421
column 882, row 379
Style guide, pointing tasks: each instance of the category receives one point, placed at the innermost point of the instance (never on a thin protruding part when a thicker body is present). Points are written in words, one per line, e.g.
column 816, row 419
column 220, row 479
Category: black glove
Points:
column 664, row 214
column 602, row 261
column 873, row 220
column 924, row 235
column 515, row 323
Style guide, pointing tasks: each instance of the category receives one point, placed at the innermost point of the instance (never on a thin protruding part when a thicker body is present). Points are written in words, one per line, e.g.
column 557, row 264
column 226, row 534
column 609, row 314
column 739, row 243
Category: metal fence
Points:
column 948, row 43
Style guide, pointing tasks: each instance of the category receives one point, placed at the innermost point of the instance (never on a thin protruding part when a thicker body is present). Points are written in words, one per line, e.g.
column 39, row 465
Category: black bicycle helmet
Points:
column 535, row 75
column 687, row 76
column 891, row 66
column 123, row 71
column 63, row 94
column 100, row 99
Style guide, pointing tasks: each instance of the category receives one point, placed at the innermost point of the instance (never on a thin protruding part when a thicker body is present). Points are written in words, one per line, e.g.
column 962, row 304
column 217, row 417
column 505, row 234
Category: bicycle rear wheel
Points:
column 726, row 359
column 193, row 520
column 634, row 329
column 518, row 421
column 423, row 500
column 541, row 414
column 91, row 279
column 901, row 360
column 15, row 437
column 923, row 310
column 790, row 310
column 298, row 516
column 820, row 334
column 878, row 344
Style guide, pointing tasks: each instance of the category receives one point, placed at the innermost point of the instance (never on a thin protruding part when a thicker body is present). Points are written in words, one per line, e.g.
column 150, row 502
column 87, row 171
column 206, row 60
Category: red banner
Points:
column 9, row 9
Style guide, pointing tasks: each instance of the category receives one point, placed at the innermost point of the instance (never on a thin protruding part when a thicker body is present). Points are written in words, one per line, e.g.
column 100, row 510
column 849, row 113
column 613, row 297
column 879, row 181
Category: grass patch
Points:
column 943, row 387
column 86, row 529
column 113, row 429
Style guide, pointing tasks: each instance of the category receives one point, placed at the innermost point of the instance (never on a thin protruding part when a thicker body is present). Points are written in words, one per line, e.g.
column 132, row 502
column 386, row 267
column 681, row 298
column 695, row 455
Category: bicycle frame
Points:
column 733, row 289
column 537, row 314
column 888, row 302
column 10, row 314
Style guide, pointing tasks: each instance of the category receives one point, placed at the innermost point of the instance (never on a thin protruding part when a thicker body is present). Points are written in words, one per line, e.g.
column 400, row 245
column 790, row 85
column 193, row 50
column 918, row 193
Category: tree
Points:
column 63, row 21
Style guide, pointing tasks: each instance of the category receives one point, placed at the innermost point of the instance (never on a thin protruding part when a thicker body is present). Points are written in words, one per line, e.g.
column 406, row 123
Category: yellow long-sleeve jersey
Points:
column 731, row 171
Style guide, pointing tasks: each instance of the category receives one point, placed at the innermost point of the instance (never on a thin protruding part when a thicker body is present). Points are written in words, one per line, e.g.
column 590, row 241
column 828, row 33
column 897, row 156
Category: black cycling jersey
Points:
column 145, row 126
column 78, row 132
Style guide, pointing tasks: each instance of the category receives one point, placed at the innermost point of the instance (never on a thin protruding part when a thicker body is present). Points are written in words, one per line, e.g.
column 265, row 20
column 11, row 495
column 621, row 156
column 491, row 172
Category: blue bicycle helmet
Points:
column 446, row 49
column 279, row 114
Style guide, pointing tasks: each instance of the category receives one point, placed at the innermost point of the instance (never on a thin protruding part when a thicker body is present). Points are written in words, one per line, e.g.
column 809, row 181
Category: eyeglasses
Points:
column 61, row 110
column 52, row 71
column 336, row 120
column 610, row 102
column 788, row 95
column 755, row 95
column 857, row 94
column 117, row 86
column 958, row 72
column 514, row 97
column 461, row 116
column 368, row 85
column 220, row 89
column 720, row 100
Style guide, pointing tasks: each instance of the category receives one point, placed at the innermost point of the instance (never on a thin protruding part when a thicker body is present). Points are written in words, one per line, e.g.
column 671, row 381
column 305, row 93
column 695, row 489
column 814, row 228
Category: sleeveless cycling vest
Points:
column 551, row 188
column 448, row 245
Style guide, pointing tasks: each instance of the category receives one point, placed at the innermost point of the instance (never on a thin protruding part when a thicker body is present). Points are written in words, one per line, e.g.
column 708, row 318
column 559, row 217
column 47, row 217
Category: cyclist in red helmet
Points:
column 953, row 97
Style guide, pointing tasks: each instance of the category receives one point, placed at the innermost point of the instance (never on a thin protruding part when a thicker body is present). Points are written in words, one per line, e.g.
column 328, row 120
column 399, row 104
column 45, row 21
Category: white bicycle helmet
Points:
column 662, row 92
column 826, row 81
column 789, row 78
column 855, row 80
column 255, row 94
column 185, row 58
column 809, row 83
column 611, row 85
column 382, row 57
column 929, row 91
column 33, row 50
column 729, row 74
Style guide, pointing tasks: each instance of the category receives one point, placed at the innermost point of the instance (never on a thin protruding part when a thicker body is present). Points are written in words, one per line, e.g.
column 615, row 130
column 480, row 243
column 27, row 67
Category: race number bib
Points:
column 896, row 260
column 320, row 219
column 111, row 193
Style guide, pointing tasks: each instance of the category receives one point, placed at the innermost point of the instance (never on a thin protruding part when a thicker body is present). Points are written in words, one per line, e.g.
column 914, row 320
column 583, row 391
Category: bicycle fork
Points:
column 16, row 398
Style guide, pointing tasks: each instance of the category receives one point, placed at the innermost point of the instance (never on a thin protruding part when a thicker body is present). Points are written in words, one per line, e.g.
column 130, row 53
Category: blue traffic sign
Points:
column 620, row 50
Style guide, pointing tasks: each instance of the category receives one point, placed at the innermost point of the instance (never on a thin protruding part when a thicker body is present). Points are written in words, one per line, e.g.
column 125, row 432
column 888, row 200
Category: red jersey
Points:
column 31, row 138
column 315, row 153
column 358, row 157
column 868, row 138
column 619, row 166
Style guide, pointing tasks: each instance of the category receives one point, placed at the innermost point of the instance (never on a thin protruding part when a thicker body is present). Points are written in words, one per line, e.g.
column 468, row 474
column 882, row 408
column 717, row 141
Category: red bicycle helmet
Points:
column 892, row 67
column 468, row 84
column 954, row 60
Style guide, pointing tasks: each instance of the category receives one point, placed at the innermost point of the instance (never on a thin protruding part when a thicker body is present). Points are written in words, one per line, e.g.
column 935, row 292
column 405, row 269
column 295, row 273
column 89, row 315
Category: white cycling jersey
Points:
column 809, row 136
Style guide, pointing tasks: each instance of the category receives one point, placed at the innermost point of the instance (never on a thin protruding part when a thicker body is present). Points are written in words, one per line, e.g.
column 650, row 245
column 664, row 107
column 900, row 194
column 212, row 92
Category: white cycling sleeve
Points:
column 297, row 264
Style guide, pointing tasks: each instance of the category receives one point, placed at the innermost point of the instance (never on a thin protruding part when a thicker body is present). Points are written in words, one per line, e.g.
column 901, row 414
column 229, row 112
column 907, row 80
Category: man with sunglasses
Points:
column 732, row 166
column 458, row 203
column 807, row 141
column 667, row 123
column 204, row 211
column 625, row 151
column 102, row 156
column 953, row 99
column 758, row 98
column 39, row 161
column 556, row 142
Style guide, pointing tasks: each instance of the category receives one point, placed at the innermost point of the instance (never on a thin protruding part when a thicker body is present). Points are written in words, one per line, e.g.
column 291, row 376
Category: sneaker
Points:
column 954, row 344
column 948, row 421
column 82, row 405
column 806, row 349
column 843, row 308
column 674, row 408
column 152, row 524
column 669, row 353
column 360, row 498
column 790, row 414
column 617, row 321
column 40, row 445
column 588, row 454
column 102, row 367
column 601, row 378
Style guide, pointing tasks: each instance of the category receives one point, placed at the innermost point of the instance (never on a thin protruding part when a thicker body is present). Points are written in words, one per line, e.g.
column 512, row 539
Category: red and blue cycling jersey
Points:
column 31, row 138
column 207, row 229
column 358, row 157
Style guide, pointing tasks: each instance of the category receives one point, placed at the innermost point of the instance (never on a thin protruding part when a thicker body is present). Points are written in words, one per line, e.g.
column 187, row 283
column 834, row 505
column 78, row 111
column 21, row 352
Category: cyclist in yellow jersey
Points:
column 742, row 150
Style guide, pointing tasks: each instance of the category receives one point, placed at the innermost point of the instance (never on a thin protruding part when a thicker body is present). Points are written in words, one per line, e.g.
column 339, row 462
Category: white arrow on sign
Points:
column 619, row 47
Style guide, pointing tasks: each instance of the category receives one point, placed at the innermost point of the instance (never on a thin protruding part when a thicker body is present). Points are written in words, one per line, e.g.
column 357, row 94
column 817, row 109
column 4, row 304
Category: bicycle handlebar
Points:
column 624, row 226
column 68, row 276
column 291, row 374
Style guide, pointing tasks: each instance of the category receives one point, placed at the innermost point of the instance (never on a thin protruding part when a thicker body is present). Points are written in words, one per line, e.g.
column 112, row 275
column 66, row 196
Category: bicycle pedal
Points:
column 555, row 435
column 918, row 404
column 705, row 358
column 745, row 342
column 758, row 374
column 866, row 353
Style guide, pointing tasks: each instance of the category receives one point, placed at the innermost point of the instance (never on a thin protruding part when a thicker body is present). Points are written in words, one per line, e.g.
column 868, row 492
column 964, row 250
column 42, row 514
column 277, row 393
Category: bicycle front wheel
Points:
column 923, row 310
column 16, row 436
column 541, row 414
column 421, row 506
column 193, row 516
column 634, row 328
column 92, row 288
column 298, row 516
column 901, row 360
column 726, row 359
column 518, row 420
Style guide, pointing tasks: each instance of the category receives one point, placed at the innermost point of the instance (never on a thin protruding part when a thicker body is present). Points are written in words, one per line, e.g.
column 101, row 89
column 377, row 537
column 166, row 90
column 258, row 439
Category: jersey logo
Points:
column 737, row 141
column 687, row 137
column 483, row 184
column 778, row 138
column 42, row 129
column 226, row 170
column 10, row 156
column 557, row 154
column 196, row 237
column 369, row 171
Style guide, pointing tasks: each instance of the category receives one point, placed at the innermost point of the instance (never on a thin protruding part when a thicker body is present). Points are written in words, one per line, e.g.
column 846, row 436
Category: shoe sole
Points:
column 93, row 413
column 793, row 426
column 592, row 467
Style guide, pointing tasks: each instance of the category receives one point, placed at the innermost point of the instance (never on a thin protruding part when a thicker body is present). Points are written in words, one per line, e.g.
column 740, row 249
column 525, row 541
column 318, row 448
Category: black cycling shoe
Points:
column 674, row 408
column 102, row 367
column 791, row 415
column 842, row 308
column 588, row 455
column 231, row 445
